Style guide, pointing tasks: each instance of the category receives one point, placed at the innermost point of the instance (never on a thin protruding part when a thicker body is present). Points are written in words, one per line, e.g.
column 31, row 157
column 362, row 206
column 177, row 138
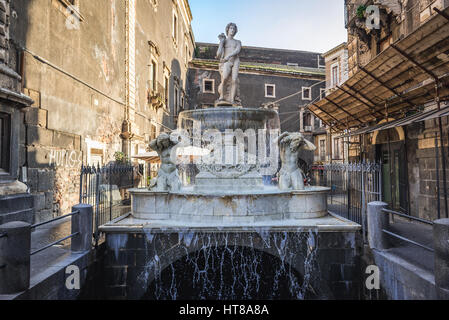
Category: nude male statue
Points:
column 228, row 54
column 167, row 176
column 290, row 175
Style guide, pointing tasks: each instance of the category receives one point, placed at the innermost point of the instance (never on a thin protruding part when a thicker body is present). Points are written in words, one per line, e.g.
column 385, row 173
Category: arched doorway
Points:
column 392, row 154
column 229, row 273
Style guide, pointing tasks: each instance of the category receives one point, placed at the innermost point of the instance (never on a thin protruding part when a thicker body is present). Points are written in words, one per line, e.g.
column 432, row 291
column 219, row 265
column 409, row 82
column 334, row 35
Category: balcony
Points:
column 156, row 94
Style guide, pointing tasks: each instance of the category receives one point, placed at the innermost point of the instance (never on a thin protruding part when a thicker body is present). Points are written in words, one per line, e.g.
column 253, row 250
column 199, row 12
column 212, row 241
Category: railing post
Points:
column 377, row 221
column 364, row 205
column 81, row 184
column 15, row 257
column 441, row 247
column 82, row 223
column 110, row 192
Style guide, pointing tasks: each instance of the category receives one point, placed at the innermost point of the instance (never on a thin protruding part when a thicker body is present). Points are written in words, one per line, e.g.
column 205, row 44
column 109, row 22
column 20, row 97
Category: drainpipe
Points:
column 443, row 153
column 437, row 166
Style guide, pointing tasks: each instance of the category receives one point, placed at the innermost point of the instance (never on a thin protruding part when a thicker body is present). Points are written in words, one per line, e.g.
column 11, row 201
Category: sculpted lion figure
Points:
column 167, row 176
column 290, row 175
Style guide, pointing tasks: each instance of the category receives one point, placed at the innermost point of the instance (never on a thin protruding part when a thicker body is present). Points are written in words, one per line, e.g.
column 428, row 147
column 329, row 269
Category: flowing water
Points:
column 231, row 265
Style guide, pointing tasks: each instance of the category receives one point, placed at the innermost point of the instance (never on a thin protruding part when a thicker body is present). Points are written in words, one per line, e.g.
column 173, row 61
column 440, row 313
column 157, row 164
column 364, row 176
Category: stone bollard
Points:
column 82, row 223
column 15, row 257
column 377, row 220
column 441, row 246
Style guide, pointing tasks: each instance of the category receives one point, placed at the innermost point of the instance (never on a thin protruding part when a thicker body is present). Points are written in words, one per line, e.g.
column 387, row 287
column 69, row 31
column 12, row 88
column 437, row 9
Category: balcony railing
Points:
column 156, row 94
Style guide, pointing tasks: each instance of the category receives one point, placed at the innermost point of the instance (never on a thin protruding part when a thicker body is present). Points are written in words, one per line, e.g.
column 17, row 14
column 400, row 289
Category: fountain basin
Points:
column 236, row 207
column 224, row 118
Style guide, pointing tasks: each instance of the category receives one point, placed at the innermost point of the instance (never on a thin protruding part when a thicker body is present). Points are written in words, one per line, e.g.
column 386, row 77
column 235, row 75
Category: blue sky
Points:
column 310, row 25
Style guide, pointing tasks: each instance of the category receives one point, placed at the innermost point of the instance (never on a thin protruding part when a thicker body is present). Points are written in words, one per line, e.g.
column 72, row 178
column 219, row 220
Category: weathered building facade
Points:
column 330, row 147
column 397, row 73
column 16, row 204
column 87, row 67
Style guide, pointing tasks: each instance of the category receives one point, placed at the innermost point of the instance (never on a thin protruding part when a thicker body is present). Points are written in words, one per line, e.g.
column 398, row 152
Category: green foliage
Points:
column 120, row 157
column 361, row 11
column 196, row 52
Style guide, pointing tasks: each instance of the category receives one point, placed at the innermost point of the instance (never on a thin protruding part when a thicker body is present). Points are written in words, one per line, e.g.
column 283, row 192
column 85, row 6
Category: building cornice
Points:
column 261, row 68
column 341, row 46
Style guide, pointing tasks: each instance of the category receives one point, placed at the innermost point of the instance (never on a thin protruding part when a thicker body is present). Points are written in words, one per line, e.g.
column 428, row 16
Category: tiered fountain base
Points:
column 238, row 207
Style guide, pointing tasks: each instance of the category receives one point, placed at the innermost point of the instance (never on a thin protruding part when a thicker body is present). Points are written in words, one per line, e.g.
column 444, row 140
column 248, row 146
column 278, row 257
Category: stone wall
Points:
column 72, row 65
column 154, row 42
column 421, row 165
column 136, row 263
column 422, row 168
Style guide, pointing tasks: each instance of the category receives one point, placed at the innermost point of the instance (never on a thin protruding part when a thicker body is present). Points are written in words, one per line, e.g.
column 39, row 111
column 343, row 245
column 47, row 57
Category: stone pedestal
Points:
column 377, row 221
column 15, row 257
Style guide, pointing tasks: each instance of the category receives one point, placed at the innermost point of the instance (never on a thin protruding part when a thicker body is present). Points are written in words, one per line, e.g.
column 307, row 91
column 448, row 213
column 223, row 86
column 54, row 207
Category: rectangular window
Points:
column 307, row 120
column 5, row 136
column 334, row 76
column 176, row 100
column 270, row 91
column 153, row 76
column 96, row 157
column 322, row 150
column 208, row 86
column 166, row 83
column 337, row 149
column 152, row 132
column 322, row 93
column 306, row 93
column 320, row 59
column 175, row 28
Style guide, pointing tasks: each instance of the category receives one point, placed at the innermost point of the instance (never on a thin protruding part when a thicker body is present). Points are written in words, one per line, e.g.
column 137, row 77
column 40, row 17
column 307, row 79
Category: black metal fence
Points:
column 106, row 189
column 34, row 226
column 353, row 186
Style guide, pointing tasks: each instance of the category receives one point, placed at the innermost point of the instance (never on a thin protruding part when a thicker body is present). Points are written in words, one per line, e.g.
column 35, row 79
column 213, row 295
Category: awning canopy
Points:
column 147, row 156
column 399, row 79
column 417, row 117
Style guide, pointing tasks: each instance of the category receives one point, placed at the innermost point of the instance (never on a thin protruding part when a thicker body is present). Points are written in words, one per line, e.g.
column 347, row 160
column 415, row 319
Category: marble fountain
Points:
column 226, row 235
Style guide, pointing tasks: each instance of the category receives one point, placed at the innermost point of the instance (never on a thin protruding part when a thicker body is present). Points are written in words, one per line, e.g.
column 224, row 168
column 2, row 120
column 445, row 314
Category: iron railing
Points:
column 353, row 186
column 57, row 241
column 106, row 189
column 403, row 238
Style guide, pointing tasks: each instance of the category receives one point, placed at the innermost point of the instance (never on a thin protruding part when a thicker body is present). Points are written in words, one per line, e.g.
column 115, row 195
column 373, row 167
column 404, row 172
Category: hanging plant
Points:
column 121, row 157
column 361, row 11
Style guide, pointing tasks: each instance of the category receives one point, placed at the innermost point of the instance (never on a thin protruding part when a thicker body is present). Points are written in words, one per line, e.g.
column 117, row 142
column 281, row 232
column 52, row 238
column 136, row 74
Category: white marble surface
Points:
column 328, row 223
column 216, row 207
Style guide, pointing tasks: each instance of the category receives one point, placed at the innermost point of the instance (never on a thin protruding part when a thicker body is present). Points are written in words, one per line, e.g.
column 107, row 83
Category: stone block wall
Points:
column 422, row 168
column 4, row 31
column 136, row 262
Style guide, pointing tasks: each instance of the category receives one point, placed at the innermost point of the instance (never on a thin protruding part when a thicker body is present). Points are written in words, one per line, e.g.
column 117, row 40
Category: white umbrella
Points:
column 192, row 151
